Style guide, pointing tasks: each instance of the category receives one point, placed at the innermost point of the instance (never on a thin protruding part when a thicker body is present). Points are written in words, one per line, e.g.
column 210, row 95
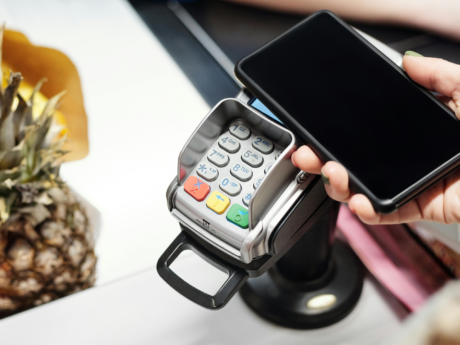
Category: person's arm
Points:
column 440, row 16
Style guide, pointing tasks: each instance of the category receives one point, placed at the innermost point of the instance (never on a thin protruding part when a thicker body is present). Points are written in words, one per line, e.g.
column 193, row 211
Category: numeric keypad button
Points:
column 246, row 198
column 239, row 131
column 229, row 143
column 263, row 145
column 258, row 181
column 253, row 158
column 268, row 167
column 218, row 158
column 241, row 172
column 230, row 186
column 207, row 171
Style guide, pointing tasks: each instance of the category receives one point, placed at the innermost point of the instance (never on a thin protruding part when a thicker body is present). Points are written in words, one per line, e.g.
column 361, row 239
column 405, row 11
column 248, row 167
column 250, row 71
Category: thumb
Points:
column 436, row 75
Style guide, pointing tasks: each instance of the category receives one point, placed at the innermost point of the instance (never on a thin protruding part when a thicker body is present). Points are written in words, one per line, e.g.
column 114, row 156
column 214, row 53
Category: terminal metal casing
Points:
column 278, row 189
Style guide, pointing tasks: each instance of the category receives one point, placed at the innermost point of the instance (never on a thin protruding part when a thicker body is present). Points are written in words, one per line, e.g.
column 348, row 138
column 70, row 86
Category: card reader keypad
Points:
column 239, row 161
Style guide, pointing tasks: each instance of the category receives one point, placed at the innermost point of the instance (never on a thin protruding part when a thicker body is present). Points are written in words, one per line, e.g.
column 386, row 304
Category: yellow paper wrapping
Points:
column 35, row 63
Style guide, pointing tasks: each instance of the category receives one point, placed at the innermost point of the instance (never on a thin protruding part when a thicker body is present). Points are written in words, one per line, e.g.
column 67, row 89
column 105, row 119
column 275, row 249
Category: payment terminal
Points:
column 240, row 202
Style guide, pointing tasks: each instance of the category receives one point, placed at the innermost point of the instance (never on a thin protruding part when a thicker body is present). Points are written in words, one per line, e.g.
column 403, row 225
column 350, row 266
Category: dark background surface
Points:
column 239, row 30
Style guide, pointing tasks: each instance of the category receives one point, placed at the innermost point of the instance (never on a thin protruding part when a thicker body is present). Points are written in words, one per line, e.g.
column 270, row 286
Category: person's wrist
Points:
column 415, row 13
column 438, row 16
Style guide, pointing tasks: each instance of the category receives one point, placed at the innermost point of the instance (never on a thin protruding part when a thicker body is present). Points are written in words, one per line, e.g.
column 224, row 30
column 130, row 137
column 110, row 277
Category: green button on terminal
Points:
column 238, row 215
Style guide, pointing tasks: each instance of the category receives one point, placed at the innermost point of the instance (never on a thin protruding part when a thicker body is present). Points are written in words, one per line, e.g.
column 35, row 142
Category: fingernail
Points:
column 325, row 178
column 412, row 53
column 292, row 160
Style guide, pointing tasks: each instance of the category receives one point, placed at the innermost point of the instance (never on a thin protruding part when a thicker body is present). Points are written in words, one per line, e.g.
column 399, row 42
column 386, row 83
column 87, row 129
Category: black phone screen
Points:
column 368, row 116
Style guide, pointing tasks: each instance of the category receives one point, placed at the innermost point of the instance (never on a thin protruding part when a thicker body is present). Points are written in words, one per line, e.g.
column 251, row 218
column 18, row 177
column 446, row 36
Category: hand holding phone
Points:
column 440, row 203
column 352, row 105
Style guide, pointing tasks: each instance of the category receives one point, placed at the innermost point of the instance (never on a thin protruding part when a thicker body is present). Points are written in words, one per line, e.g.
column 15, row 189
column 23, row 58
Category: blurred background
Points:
column 206, row 38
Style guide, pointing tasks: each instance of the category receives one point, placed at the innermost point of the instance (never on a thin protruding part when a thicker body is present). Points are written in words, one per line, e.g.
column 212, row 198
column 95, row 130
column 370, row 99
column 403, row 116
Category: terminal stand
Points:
column 315, row 284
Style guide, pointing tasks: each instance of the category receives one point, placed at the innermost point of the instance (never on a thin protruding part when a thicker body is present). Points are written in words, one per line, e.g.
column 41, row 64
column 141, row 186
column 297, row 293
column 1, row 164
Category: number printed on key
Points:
column 263, row 145
column 230, row 186
column 241, row 172
column 229, row 143
column 218, row 158
column 253, row 158
column 240, row 131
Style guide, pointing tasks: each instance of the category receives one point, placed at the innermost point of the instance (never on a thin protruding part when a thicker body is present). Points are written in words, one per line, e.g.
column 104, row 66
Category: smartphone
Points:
column 353, row 105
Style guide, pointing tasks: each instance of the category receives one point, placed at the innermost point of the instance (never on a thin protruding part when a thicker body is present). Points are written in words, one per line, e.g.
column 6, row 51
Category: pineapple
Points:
column 46, row 241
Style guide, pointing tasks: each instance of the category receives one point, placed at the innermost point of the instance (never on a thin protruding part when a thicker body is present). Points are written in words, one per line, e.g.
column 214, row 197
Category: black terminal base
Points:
column 308, row 304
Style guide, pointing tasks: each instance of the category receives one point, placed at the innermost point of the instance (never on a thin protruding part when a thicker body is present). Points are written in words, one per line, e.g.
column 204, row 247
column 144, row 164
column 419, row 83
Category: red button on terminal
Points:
column 196, row 188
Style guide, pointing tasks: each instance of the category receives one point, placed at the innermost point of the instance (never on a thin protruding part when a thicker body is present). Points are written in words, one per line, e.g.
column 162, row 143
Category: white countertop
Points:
column 141, row 109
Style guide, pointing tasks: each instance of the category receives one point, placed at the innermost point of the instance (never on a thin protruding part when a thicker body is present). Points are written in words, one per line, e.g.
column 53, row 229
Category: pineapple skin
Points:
column 45, row 260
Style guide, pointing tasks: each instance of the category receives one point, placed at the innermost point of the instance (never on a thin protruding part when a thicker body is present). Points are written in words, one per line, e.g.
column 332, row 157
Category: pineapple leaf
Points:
column 50, row 107
column 28, row 151
column 5, row 206
column 7, row 139
column 37, row 88
column 2, row 29
column 12, row 159
column 9, row 183
column 42, row 131
column 3, row 214
column 23, row 110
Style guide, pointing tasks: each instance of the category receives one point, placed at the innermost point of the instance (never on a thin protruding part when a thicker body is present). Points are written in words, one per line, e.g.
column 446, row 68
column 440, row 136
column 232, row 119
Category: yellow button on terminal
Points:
column 218, row 202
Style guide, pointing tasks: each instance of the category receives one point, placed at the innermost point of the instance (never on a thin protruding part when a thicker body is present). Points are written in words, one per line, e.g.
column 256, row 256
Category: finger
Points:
column 437, row 75
column 450, row 103
column 362, row 207
column 337, row 177
column 306, row 160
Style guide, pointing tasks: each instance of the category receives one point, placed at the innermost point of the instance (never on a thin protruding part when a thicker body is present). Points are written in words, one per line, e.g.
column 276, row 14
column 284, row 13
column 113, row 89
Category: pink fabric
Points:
column 378, row 263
